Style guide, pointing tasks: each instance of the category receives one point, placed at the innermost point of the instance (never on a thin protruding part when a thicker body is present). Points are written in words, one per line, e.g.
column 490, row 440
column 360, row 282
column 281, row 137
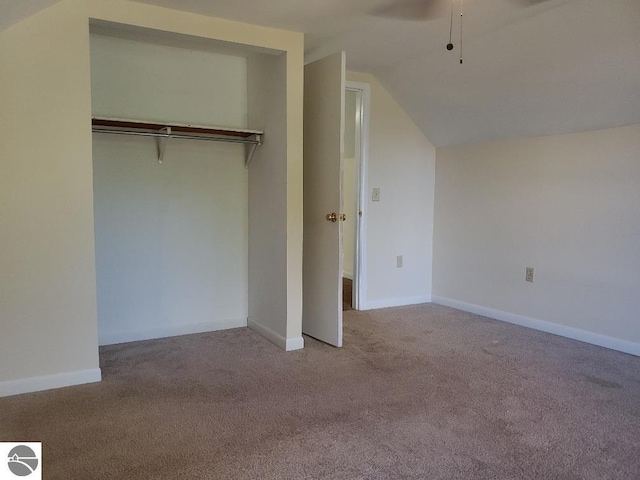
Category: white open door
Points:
column 324, row 88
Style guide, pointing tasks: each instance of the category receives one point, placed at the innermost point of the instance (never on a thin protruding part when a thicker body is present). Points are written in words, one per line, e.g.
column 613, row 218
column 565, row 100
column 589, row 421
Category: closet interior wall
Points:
column 172, row 239
column 275, row 297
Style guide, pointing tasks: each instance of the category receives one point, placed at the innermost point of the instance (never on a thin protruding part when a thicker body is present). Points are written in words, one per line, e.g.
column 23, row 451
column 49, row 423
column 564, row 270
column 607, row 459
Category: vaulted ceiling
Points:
column 530, row 69
column 12, row 11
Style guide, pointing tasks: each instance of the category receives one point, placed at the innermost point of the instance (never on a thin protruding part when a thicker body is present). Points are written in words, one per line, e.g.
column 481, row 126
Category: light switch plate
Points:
column 375, row 196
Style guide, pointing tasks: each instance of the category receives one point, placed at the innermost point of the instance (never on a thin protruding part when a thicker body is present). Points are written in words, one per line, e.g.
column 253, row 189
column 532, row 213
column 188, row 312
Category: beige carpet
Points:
column 417, row 392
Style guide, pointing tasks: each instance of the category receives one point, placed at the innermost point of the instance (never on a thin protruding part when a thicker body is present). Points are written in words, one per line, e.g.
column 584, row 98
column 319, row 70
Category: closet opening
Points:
column 173, row 213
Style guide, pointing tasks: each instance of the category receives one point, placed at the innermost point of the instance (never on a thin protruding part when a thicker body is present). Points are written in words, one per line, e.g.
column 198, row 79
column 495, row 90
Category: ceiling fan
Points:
column 427, row 9
column 423, row 10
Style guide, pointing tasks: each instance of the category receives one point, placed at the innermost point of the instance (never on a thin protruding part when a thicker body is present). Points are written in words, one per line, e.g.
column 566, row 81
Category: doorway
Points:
column 353, row 198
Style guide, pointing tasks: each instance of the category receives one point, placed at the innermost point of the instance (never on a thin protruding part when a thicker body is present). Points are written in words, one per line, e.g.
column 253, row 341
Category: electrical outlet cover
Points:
column 529, row 274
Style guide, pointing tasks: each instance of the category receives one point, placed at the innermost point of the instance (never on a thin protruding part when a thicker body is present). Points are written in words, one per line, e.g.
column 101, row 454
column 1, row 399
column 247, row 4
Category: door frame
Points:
column 362, row 145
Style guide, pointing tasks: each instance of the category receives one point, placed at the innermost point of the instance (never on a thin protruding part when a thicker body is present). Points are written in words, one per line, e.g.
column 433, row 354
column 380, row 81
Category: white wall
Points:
column 268, row 309
column 47, row 280
column 349, row 185
column 171, row 239
column 569, row 206
column 48, row 289
column 350, row 106
column 350, row 208
column 402, row 164
column 147, row 81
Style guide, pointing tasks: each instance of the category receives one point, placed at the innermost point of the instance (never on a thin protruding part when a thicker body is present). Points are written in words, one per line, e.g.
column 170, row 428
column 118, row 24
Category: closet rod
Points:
column 179, row 135
column 163, row 132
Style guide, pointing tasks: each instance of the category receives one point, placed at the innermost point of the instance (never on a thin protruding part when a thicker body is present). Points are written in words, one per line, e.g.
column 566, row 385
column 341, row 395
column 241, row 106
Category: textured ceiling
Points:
column 556, row 67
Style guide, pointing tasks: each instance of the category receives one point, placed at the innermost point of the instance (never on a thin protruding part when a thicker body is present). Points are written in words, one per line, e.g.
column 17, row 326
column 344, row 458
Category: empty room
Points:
column 357, row 239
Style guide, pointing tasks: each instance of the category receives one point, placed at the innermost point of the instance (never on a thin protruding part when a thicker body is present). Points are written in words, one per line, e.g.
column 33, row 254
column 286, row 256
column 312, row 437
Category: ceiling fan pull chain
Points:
column 461, row 31
column 450, row 44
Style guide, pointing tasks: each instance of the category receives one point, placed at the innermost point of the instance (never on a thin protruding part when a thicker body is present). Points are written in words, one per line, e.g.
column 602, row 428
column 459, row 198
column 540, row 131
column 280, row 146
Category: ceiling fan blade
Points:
column 529, row 3
column 417, row 10
column 420, row 10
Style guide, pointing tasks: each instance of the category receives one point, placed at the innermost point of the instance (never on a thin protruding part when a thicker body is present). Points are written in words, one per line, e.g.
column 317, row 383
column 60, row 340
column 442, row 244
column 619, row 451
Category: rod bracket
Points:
column 251, row 149
column 161, row 142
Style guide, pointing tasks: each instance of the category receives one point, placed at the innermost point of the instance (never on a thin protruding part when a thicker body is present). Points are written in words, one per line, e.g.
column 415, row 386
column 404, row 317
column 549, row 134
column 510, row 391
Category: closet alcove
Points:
column 172, row 212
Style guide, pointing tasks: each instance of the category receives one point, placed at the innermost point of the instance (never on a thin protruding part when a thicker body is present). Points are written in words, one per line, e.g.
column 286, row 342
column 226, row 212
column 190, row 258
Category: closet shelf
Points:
column 164, row 131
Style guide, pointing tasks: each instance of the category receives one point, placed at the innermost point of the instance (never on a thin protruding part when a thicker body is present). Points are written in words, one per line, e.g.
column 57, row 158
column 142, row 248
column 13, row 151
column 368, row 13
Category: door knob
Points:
column 343, row 217
column 332, row 217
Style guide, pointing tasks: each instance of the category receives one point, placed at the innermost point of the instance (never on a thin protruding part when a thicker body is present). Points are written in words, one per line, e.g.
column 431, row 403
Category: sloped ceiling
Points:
column 12, row 11
column 554, row 67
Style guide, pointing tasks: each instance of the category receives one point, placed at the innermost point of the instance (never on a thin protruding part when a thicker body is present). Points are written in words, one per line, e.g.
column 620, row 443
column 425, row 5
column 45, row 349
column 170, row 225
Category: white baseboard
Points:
column 296, row 343
column 47, row 382
column 393, row 302
column 562, row 330
column 287, row 344
column 112, row 338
